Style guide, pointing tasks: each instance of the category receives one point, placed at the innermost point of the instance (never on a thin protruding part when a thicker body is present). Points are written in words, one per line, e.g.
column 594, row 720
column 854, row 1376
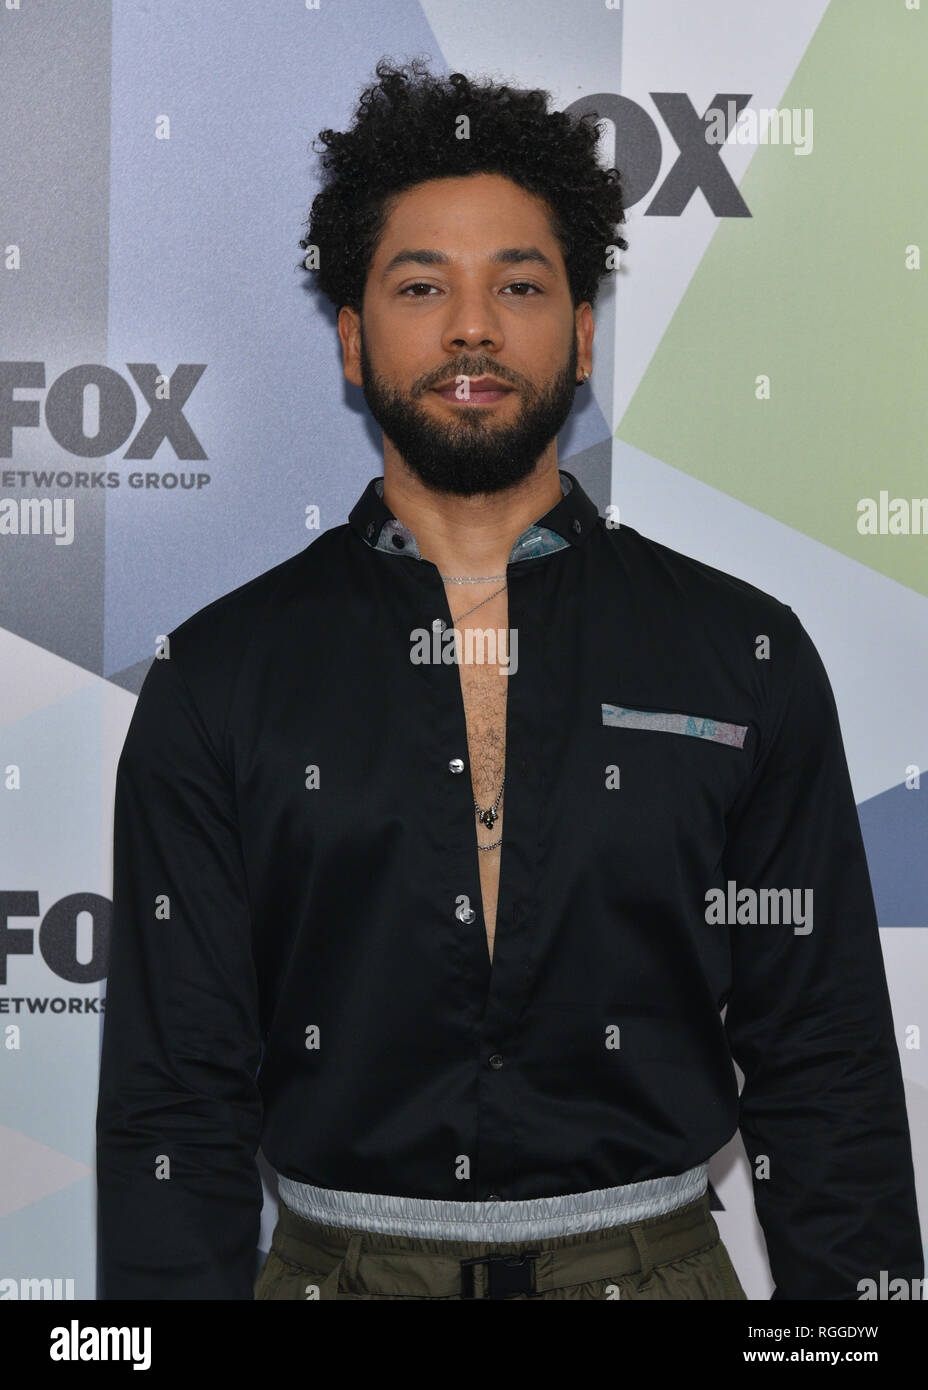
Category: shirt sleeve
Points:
column 809, row 1020
column 179, row 1112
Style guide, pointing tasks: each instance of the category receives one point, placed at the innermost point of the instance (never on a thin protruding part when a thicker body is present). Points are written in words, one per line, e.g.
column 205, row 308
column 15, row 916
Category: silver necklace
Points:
column 480, row 604
column 490, row 816
column 471, row 578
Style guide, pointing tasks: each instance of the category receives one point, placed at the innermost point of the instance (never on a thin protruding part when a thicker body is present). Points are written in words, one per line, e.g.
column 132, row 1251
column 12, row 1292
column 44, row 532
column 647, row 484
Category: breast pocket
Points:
column 670, row 776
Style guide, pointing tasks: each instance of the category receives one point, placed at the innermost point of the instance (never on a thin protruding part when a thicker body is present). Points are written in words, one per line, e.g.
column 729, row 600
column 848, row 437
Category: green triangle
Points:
column 813, row 291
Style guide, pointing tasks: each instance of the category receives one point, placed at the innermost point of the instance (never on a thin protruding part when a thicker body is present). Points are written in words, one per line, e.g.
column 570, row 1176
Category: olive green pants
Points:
column 678, row 1256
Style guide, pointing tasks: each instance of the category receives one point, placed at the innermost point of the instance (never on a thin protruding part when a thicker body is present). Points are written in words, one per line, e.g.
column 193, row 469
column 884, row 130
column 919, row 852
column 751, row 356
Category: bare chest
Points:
column 484, row 686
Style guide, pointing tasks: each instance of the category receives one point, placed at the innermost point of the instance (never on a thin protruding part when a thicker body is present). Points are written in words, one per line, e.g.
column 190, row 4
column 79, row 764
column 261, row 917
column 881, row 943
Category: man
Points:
column 449, row 929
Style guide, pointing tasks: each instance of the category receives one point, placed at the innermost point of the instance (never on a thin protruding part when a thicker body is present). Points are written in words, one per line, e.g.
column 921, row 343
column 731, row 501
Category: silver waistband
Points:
column 531, row 1218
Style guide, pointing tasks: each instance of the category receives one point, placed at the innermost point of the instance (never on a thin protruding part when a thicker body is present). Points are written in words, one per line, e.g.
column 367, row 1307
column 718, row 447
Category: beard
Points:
column 470, row 453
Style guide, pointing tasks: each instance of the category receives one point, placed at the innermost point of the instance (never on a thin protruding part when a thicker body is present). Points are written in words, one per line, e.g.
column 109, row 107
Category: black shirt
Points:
column 299, row 959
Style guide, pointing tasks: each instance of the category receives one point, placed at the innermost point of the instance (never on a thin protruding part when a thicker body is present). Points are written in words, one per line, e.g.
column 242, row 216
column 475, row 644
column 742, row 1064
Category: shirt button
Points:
column 576, row 525
column 456, row 765
column 371, row 528
column 493, row 1197
column 466, row 914
column 438, row 624
column 496, row 1061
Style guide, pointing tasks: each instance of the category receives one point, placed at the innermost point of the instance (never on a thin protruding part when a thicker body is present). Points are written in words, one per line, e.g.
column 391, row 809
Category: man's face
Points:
column 426, row 323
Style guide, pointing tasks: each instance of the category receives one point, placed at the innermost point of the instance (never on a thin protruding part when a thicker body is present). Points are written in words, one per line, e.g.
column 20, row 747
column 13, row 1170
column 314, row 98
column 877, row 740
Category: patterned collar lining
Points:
column 397, row 539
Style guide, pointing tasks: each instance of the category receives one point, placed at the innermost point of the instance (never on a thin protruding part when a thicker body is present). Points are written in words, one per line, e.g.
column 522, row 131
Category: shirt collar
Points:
column 569, row 522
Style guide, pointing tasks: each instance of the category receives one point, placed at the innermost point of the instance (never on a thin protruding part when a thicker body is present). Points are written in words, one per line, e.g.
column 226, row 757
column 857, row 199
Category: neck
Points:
column 469, row 535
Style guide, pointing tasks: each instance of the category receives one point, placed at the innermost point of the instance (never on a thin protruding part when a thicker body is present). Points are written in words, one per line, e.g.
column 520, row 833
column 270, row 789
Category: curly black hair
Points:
column 404, row 133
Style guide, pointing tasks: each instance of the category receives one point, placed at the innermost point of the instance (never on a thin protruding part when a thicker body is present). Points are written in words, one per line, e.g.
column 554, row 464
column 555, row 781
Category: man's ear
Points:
column 349, row 332
column 583, row 321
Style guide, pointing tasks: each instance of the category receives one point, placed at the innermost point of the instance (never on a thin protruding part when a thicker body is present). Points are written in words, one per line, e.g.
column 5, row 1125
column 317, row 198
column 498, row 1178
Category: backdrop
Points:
column 758, row 401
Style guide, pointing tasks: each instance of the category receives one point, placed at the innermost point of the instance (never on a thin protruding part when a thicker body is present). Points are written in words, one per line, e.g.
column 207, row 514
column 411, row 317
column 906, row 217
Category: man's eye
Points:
column 514, row 285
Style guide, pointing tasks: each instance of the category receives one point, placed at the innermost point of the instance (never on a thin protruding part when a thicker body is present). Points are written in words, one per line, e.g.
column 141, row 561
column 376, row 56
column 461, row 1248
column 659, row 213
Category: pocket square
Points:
column 696, row 725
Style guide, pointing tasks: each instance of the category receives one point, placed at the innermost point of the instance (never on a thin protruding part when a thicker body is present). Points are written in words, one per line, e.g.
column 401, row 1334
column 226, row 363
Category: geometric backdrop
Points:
column 758, row 402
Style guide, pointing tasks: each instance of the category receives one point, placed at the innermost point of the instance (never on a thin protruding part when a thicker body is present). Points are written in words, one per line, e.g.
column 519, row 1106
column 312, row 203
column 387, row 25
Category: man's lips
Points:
column 482, row 391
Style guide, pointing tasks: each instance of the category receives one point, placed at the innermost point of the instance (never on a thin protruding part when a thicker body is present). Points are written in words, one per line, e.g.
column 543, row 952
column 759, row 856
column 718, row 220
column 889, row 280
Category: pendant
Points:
column 488, row 818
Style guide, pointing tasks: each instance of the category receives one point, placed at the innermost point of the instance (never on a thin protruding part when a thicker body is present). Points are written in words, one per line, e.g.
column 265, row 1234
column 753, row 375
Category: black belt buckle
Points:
column 507, row 1275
